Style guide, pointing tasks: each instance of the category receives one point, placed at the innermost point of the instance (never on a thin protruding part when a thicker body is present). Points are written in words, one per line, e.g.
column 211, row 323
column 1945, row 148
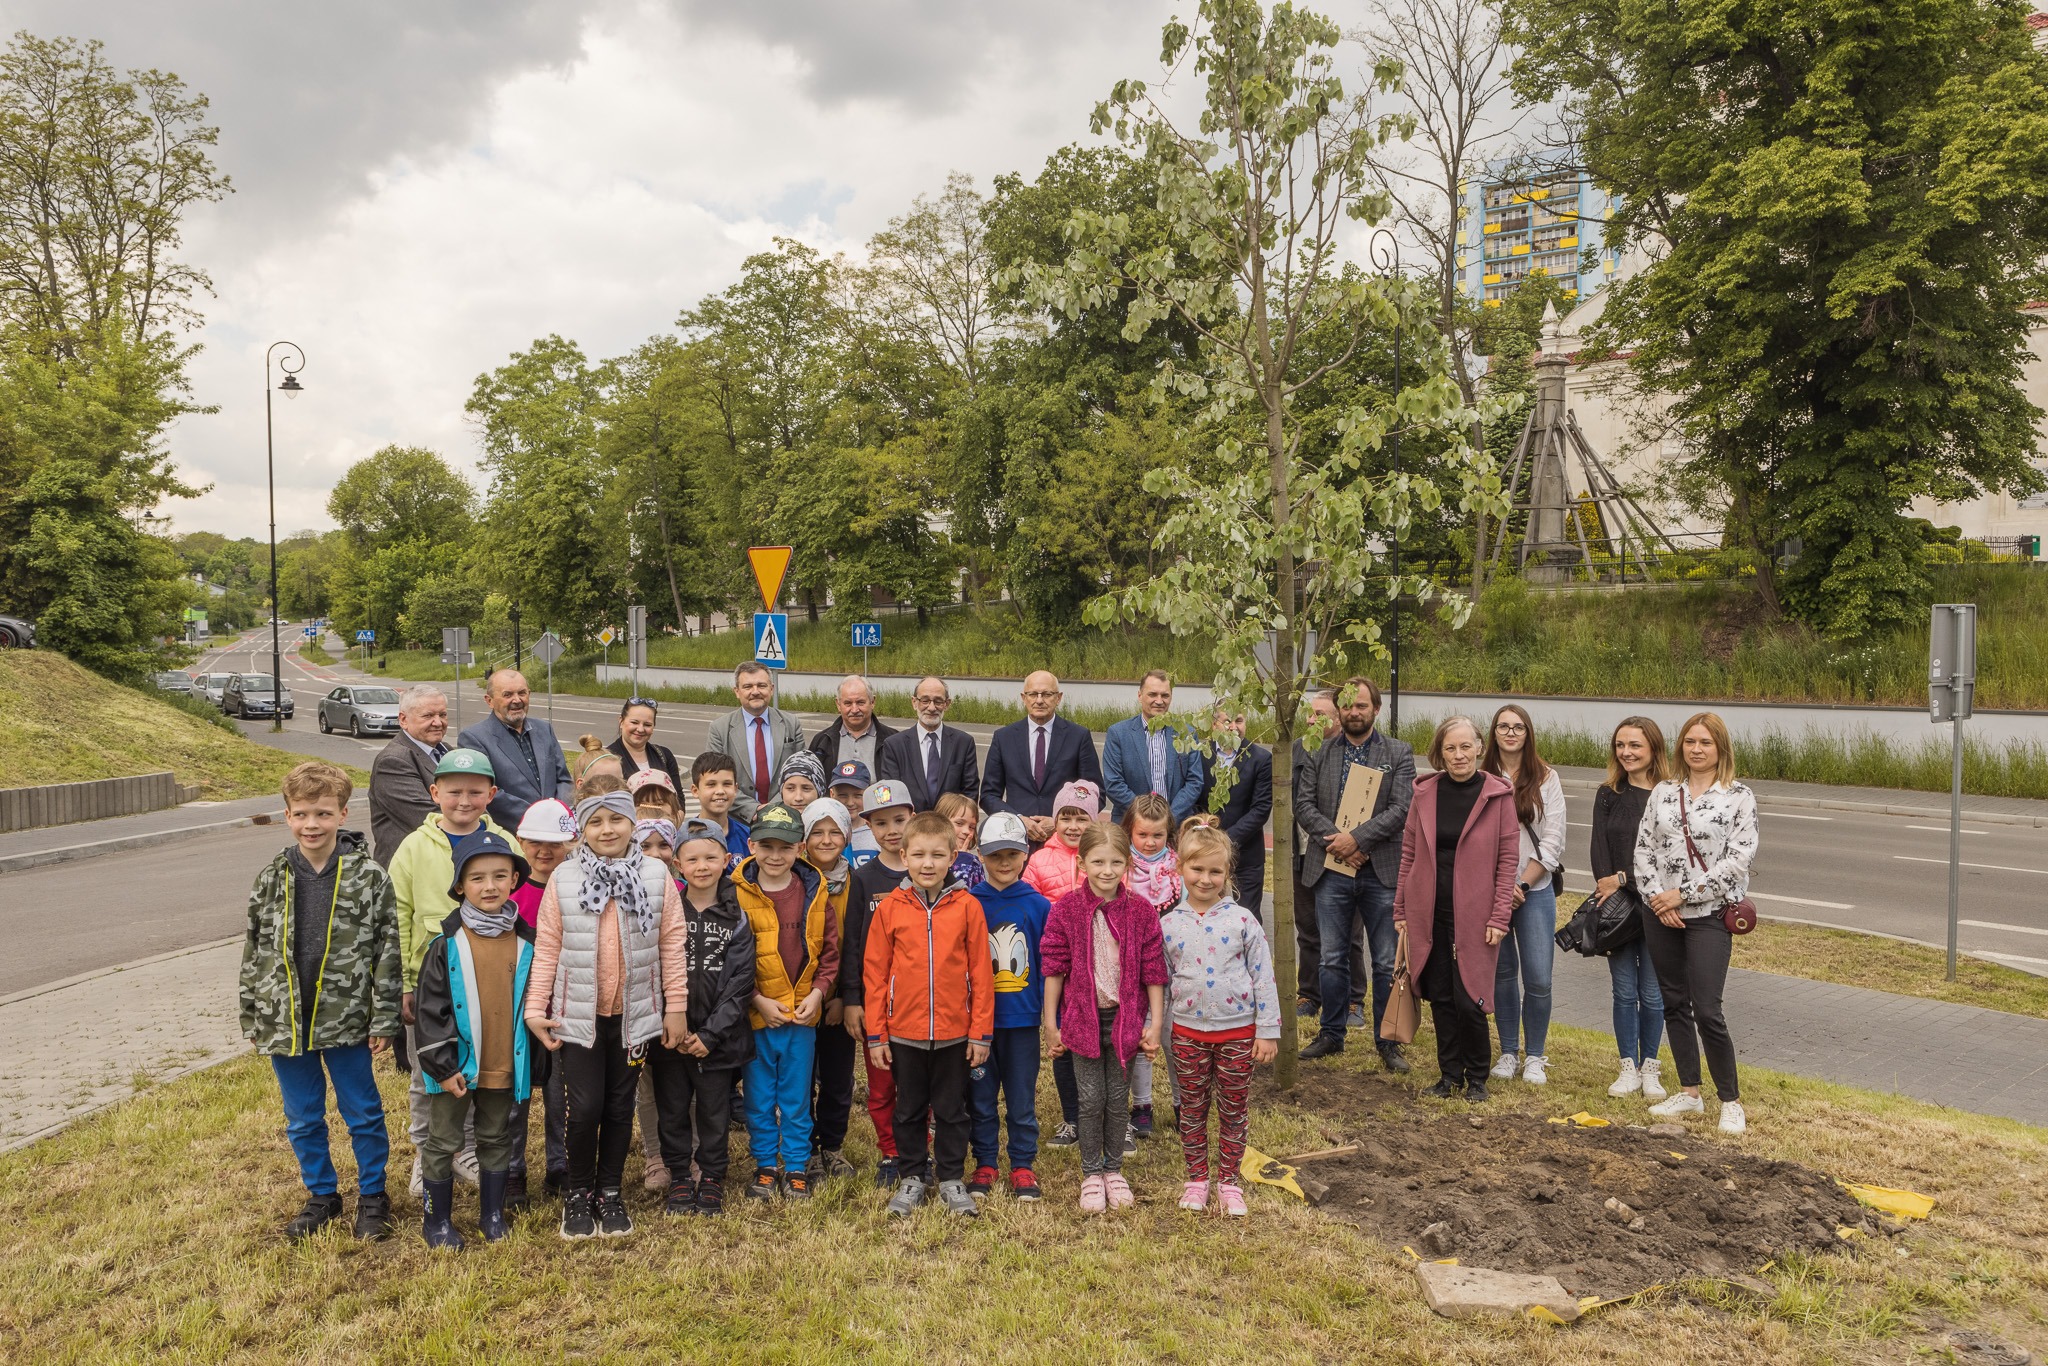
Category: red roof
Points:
column 2037, row 21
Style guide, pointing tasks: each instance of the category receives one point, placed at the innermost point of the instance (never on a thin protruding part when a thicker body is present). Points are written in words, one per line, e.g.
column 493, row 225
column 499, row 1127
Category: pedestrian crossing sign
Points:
column 771, row 639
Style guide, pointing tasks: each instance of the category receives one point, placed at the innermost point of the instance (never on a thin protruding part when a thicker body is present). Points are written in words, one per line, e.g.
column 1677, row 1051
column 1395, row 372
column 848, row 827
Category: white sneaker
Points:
column 1536, row 1069
column 1504, row 1070
column 1653, row 1086
column 1684, row 1103
column 1629, row 1082
column 419, row 1177
column 1733, row 1121
column 465, row 1166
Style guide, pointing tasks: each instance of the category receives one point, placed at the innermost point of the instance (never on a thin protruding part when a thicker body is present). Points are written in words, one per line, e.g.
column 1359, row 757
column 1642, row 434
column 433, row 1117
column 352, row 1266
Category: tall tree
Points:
column 402, row 493
column 1847, row 206
column 1257, row 199
column 937, row 272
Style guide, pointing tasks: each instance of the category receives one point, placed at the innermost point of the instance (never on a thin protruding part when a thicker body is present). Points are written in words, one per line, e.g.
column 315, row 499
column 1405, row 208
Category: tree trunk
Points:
column 1286, row 970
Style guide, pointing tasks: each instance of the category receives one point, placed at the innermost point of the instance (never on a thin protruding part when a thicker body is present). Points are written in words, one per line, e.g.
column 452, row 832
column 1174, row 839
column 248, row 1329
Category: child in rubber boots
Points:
column 1104, row 974
column 930, row 1009
column 610, row 976
column 1015, row 914
column 796, row 961
column 320, row 988
column 546, row 833
column 696, row 1077
column 473, row 1043
column 1226, row 1015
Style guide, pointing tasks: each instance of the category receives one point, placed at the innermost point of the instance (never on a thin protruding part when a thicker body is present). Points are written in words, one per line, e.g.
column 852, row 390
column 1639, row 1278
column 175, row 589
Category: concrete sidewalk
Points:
column 22, row 849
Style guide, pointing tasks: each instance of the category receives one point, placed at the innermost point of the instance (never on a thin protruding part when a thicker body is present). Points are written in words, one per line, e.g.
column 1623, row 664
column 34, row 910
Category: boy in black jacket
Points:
column 702, row 1074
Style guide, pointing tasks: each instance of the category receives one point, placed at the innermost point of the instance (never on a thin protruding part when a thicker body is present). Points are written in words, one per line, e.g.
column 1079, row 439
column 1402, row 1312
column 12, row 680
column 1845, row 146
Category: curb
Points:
column 29, row 993
column 15, row 1145
column 42, row 858
column 1765, row 802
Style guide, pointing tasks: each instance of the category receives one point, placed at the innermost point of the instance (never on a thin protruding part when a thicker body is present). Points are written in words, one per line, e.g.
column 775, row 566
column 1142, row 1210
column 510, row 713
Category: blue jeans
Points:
column 1338, row 899
column 302, row 1081
column 778, row 1079
column 1638, row 1002
column 1012, row 1068
column 1529, row 952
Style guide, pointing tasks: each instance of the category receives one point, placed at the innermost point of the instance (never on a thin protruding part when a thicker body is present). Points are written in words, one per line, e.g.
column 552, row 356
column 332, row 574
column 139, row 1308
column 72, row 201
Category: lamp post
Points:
column 289, row 365
column 1384, row 249
column 513, row 613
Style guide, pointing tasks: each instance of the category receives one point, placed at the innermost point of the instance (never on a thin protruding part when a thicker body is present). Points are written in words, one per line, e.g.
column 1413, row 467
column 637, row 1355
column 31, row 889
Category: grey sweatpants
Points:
column 419, row 1105
column 1104, row 1085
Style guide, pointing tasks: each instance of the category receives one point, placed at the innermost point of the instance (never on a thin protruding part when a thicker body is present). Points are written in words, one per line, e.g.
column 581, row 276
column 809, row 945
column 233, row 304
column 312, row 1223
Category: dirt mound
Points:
column 1520, row 1194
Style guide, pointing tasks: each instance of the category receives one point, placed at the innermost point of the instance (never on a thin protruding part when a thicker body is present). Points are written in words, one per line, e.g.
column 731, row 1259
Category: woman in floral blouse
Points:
column 1685, row 888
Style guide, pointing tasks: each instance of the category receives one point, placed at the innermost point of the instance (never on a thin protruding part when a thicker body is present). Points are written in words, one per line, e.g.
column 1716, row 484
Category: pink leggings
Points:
column 1224, row 1070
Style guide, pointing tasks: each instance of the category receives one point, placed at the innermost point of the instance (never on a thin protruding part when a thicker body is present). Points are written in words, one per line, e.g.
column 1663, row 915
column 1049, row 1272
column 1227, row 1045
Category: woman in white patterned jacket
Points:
column 1684, row 885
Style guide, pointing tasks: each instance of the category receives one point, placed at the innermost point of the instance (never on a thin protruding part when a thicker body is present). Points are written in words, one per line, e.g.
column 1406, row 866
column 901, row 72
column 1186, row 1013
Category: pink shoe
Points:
column 1194, row 1196
column 1231, row 1198
column 1094, row 1195
column 1120, row 1196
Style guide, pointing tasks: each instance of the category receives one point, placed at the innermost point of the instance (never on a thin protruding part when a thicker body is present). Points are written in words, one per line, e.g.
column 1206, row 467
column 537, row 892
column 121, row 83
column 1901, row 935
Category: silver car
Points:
column 360, row 711
column 212, row 686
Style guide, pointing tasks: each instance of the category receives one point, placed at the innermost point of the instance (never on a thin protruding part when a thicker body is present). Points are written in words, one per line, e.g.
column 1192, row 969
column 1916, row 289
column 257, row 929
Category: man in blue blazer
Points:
column 1248, row 771
column 1137, row 757
column 1029, row 761
column 524, row 752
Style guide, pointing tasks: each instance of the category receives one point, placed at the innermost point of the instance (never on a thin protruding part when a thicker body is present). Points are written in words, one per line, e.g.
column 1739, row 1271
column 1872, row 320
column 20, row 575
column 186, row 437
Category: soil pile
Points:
column 1607, row 1211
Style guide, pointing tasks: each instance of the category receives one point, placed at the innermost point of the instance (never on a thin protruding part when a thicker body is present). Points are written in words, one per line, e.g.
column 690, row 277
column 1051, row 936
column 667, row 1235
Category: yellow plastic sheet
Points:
column 1897, row 1203
column 1587, row 1304
column 1441, row 1261
column 1267, row 1172
column 1584, row 1121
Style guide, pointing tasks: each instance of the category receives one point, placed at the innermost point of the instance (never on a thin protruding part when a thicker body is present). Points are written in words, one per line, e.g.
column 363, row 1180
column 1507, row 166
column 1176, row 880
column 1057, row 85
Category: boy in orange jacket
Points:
column 929, row 987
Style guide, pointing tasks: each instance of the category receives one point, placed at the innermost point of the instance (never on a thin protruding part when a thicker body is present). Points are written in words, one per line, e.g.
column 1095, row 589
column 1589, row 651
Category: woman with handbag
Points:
column 1692, row 859
column 1636, row 763
column 1460, row 852
column 1528, row 954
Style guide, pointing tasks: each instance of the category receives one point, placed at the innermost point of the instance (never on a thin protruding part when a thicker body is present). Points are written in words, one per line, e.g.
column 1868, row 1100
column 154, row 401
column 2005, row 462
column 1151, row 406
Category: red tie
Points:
column 1038, row 761
column 761, row 759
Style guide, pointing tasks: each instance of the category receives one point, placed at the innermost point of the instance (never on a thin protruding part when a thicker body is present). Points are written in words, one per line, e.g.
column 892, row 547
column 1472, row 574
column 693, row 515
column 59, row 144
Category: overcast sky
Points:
column 423, row 187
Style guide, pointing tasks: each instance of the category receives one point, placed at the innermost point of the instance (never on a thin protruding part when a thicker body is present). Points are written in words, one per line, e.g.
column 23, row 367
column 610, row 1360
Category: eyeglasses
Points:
column 1040, row 696
column 1511, row 728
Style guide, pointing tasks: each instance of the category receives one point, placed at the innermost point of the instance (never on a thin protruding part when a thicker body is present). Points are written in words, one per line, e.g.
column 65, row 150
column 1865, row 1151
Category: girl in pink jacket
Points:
column 1055, row 869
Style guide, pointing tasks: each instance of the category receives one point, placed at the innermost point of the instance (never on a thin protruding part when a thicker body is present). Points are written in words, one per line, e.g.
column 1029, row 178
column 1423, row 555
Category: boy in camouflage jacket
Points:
column 320, row 989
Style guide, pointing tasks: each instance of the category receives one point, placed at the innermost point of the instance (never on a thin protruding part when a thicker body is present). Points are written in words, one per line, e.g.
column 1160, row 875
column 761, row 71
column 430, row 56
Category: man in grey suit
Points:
column 404, row 769
column 1372, row 849
column 525, row 754
column 757, row 736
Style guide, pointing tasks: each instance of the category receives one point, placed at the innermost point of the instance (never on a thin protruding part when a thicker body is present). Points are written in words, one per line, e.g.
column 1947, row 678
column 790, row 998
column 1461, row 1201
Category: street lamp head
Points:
column 291, row 388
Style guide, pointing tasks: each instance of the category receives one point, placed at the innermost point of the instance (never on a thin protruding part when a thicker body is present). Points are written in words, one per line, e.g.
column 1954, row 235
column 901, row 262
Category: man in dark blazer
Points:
column 1371, row 849
column 404, row 769
column 856, row 733
column 755, row 728
column 524, row 752
column 1029, row 761
column 931, row 758
column 1248, row 770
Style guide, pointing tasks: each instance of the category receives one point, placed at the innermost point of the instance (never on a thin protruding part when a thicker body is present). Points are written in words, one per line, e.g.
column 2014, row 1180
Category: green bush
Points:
column 193, row 703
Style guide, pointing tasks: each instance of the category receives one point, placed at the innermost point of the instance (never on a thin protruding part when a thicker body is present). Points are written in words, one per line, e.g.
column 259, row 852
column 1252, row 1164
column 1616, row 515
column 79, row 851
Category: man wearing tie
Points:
column 1139, row 755
column 930, row 758
column 1029, row 761
column 404, row 769
column 757, row 737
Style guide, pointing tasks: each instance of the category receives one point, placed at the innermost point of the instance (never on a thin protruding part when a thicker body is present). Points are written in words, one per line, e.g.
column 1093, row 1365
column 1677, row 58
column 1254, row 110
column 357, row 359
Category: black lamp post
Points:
column 293, row 361
column 1385, row 250
column 513, row 613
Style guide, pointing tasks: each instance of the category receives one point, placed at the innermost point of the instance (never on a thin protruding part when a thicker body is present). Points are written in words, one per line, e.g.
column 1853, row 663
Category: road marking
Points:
column 1803, row 901
column 1995, row 925
column 2012, row 958
column 1794, row 816
column 1992, row 867
column 1943, row 830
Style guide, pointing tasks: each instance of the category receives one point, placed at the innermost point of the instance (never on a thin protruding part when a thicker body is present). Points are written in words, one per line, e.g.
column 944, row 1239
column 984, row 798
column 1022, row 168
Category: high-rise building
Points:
column 1553, row 223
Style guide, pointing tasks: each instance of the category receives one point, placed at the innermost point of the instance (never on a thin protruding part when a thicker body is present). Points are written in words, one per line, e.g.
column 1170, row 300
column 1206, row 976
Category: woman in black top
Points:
column 1636, row 762
column 635, row 746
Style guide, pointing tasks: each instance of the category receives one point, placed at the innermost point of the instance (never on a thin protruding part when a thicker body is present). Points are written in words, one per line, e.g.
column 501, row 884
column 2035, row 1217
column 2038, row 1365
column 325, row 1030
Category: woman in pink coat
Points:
column 1460, row 851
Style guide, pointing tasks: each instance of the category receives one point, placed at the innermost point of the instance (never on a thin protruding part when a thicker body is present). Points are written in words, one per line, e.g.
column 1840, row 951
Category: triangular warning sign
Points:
column 769, row 646
column 770, row 563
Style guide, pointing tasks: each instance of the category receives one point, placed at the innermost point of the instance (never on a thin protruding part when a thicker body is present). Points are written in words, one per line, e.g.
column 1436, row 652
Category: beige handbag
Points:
column 1404, row 1012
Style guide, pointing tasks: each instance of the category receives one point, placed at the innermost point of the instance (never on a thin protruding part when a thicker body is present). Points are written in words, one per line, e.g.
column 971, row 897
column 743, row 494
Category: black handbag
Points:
column 1601, row 926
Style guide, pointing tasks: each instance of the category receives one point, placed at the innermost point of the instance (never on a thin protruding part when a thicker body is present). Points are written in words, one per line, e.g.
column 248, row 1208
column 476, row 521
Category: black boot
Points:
column 1390, row 1054
column 517, row 1201
column 1322, row 1046
column 490, row 1194
column 318, row 1212
column 373, row 1217
column 436, row 1226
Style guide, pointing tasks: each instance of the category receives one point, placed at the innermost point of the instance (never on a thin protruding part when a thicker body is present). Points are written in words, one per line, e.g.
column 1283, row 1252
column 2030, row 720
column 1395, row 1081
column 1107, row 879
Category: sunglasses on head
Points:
column 646, row 702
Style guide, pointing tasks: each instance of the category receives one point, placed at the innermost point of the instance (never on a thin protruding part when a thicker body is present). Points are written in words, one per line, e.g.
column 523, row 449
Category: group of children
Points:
column 732, row 968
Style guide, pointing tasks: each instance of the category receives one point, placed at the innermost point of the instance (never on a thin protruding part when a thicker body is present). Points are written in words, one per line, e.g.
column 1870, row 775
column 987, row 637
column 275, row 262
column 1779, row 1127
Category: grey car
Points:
column 250, row 695
column 172, row 682
column 17, row 633
column 211, row 686
column 359, row 711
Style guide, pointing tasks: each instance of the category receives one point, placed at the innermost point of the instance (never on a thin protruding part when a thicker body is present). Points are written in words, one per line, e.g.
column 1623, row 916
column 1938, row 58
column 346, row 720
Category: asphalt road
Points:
column 1885, row 874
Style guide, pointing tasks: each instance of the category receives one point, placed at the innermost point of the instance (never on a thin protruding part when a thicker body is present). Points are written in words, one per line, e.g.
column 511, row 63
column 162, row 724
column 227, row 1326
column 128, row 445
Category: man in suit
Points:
column 404, row 769
column 757, row 736
column 524, row 753
column 931, row 758
column 857, row 734
column 1138, row 756
column 1371, row 849
column 1308, row 939
column 1247, row 772
column 1029, row 761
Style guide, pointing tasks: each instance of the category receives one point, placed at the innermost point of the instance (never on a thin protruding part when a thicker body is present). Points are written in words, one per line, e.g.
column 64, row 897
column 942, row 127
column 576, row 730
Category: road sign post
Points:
column 771, row 639
column 366, row 639
column 636, row 643
column 1951, row 697
column 770, row 563
column 547, row 650
column 605, row 639
column 454, row 650
column 867, row 635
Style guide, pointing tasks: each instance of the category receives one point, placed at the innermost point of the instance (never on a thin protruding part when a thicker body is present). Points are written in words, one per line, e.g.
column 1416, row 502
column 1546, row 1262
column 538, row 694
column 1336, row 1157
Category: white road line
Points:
column 2011, row 958
column 1755, row 895
column 1793, row 816
column 2009, row 929
column 1992, row 867
column 1943, row 830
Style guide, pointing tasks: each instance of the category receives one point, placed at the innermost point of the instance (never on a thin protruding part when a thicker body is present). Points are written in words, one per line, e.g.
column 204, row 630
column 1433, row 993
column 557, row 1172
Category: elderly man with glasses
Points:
column 1029, row 761
column 931, row 758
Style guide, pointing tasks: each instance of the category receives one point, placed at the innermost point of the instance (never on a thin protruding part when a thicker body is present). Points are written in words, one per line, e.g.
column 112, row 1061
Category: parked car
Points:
column 360, row 711
column 211, row 686
column 171, row 682
column 17, row 633
column 249, row 696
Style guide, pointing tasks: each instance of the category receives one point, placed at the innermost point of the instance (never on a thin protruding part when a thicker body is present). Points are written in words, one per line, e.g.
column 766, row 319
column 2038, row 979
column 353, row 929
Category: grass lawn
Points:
column 60, row 723
column 151, row 1231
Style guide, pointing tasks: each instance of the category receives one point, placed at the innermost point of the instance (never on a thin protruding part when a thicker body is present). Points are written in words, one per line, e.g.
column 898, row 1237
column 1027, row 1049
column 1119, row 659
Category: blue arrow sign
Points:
column 867, row 635
column 771, row 639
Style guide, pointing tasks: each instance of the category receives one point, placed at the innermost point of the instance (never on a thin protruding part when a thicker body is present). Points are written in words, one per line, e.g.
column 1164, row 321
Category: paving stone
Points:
column 1470, row 1292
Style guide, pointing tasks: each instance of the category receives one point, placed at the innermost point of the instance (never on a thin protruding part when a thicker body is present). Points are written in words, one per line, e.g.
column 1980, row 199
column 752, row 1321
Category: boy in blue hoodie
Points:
column 1016, row 915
